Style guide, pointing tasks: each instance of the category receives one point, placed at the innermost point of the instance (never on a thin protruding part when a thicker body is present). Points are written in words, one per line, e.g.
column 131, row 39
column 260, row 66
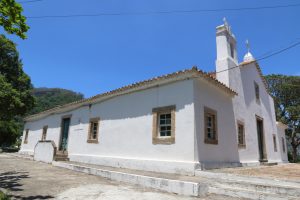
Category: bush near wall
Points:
column 290, row 158
column 4, row 196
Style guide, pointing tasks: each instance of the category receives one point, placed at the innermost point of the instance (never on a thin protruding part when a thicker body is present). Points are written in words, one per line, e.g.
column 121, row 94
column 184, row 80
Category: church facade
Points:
column 176, row 123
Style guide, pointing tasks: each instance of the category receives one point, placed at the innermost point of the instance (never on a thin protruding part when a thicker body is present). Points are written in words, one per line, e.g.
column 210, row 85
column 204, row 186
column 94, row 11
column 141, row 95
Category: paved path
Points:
column 25, row 179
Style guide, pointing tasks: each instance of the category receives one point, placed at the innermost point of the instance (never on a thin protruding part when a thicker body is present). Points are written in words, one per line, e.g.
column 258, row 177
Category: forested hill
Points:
column 47, row 98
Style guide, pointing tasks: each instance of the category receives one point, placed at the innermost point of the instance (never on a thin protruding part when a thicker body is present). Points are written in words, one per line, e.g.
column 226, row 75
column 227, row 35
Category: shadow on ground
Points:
column 10, row 181
column 31, row 197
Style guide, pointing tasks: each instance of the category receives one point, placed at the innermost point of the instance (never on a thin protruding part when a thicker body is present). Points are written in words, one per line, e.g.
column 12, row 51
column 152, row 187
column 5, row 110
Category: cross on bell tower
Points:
column 248, row 45
column 248, row 57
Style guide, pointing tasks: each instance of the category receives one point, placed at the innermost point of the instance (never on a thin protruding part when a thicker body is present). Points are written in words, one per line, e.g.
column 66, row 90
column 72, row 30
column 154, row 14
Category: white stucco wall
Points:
column 125, row 134
column 281, row 134
column 246, row 108
column 44, row 151
column 225, row 152
column 264, row 109
column 35, row 132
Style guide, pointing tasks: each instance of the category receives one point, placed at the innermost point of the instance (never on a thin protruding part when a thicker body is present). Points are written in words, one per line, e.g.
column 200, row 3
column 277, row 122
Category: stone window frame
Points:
column 167, row 140
column 275, row 143
column 91, row 122
column 26, row 136
column 257, row 91
column 214, row 113
column 283, row 144
column 44, row 133
column 239, row 124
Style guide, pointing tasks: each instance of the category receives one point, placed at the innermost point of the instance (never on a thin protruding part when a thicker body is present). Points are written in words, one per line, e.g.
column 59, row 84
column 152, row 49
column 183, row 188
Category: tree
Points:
column 15, row 85
column 11, row 18
column 15, row 90
column 286, row 93
column 10, row 131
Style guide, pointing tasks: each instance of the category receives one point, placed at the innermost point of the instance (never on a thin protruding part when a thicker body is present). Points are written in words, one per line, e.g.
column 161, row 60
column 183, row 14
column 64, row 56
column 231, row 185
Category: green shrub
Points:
column 290, row 157
column 4, row 196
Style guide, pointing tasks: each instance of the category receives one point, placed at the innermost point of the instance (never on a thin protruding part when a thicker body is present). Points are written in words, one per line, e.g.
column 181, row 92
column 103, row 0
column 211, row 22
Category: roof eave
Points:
column 278, row 123
column 154, row 82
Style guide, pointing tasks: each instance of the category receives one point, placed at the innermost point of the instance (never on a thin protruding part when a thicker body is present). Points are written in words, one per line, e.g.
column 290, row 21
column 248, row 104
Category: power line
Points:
column 278, row 48
column 280, row 51
column 30, row 1
column 266, row 57
column 164, row 12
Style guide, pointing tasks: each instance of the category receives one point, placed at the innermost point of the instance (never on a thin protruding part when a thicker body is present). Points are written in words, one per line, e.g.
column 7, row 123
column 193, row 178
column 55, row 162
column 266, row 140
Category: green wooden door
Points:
column 64, row 134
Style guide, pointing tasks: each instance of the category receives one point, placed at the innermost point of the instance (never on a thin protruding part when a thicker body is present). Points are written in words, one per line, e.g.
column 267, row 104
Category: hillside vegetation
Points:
column 47, row 98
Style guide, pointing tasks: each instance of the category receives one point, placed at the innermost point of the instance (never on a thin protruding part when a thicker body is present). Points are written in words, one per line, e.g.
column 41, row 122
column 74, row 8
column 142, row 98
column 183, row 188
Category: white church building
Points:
column 176, row 123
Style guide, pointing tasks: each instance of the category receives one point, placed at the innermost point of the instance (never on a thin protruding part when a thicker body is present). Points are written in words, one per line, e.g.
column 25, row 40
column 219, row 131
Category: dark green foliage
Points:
column 15, row 86
column 9, row 132
column 286, row 93
column 47, row 98
column 15, row 92
column 4, row 196
column 11, row 18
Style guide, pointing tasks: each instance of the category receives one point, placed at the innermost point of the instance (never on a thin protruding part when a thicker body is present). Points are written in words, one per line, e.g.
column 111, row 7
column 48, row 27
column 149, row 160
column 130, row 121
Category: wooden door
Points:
column 64, row 134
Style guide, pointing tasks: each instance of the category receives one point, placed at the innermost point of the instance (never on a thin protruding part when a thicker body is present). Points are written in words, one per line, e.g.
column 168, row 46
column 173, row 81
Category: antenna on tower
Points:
column 225, row 21
column 248, row 45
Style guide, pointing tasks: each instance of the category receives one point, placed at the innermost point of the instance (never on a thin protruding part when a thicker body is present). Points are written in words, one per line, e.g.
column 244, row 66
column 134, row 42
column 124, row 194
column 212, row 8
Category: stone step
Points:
column 268, row 164
column 248, row 194
column 61, row 155
column 250, row 179
column 61, row 158
column 259, row 188
column 251, row 187
column 181, row 187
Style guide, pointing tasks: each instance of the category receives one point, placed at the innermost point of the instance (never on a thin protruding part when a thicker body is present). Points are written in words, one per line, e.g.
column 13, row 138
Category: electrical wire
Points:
column 30, row 1
column 163, row 12
column 280, row 51
column 177, row 11
column 266, row 57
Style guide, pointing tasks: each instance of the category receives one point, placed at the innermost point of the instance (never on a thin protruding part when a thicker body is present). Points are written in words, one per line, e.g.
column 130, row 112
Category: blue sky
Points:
column 92, row 55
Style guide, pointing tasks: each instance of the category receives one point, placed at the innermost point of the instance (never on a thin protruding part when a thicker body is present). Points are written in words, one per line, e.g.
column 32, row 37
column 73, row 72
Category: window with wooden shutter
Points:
column 93, row 130
column 210, row 126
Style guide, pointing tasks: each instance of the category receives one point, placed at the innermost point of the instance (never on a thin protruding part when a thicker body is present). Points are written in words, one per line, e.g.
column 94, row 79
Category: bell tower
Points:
column 226, row 54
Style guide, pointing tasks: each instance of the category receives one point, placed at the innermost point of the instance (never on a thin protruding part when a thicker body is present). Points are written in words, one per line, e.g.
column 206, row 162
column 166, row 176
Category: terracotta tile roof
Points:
column 282, row 125
column 213, row 74
column 168, row 78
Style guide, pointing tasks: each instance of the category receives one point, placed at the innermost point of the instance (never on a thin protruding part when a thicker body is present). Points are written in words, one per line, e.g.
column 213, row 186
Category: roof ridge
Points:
column 90, row 100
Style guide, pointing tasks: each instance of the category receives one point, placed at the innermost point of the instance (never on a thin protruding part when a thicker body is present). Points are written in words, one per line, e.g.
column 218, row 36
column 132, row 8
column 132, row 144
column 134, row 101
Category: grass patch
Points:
column 4, row 196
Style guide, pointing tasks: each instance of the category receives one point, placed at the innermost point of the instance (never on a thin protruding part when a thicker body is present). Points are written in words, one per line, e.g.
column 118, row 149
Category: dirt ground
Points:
column 283, row 172
column 26, row 179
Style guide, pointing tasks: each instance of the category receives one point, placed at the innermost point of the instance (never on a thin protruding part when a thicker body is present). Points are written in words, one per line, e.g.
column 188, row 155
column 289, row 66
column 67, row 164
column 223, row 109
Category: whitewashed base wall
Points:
column 184, row 168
